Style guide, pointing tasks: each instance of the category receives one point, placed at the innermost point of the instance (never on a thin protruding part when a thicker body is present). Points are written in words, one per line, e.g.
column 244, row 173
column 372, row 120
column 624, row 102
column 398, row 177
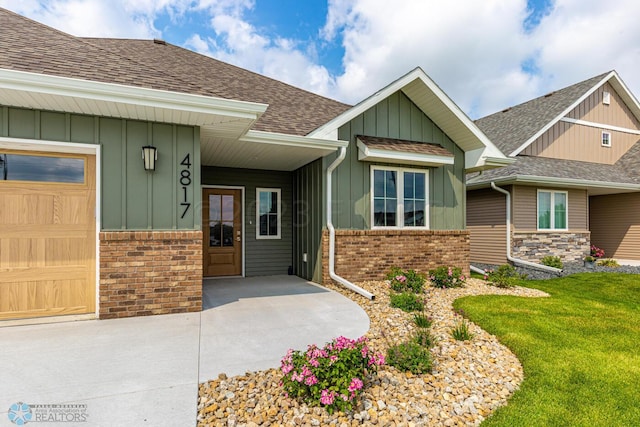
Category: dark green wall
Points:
column 262, row 256
column 310, row 218
column 396, row 117
column 132, row 198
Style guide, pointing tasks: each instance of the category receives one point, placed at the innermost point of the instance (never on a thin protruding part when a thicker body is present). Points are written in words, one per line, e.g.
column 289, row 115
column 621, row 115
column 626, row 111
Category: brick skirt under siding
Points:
column 150, row 272
column 369, row 254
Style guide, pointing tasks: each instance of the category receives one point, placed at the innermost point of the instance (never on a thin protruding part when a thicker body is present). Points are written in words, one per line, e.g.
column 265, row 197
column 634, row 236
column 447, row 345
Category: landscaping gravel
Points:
column 470, row 379
column 569, row 268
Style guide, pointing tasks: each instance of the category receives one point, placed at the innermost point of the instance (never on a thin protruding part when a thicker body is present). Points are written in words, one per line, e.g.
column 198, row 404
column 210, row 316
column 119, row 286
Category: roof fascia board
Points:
column 377, row 155
column 558, row 182
column 111, row 92
column 262, row 137
column 480, row 159
column 562, row 114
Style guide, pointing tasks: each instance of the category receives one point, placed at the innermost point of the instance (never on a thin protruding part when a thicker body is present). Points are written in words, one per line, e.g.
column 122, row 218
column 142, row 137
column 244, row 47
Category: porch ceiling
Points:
column 262, row 150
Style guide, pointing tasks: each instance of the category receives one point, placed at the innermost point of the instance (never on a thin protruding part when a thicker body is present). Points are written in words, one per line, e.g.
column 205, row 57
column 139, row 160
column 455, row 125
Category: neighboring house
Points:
column 239, row 185
column 575, row 181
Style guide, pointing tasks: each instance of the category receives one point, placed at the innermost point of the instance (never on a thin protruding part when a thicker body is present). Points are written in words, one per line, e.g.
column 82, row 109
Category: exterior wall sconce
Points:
column 149, row 157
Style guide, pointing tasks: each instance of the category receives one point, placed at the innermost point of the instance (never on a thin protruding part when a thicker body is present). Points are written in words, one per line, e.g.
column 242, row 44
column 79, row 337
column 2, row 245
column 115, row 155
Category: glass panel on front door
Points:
column 221, row 221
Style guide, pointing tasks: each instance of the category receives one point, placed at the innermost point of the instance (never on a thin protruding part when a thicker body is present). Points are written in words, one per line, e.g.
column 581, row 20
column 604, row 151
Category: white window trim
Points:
column 553, row 219
column 602, row 139
column 400, row 198
column 279, row 203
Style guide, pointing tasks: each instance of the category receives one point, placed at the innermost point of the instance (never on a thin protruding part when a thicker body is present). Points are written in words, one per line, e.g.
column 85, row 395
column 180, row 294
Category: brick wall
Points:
column 369, row 254
column 150, row 272
column 569, row 246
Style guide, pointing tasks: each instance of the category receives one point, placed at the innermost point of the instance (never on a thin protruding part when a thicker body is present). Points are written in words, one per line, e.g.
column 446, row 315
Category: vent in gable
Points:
column 606, row 98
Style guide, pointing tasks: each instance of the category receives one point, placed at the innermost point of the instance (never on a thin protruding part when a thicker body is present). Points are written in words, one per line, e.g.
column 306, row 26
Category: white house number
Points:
column 185, row 182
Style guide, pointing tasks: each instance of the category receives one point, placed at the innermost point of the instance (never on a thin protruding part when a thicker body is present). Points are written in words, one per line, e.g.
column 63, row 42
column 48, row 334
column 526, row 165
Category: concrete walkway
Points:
column 145, row 371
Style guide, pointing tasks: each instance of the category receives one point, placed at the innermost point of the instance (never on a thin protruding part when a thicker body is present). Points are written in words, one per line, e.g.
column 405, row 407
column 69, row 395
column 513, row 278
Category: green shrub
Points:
column 410, row 356
column 405, row 281
column 609, row 262
column 461, row 331
column 422, row 321
column 552, row 261
column 424, row 338
column 447, row 277
column 406, row 301
column 504, row 276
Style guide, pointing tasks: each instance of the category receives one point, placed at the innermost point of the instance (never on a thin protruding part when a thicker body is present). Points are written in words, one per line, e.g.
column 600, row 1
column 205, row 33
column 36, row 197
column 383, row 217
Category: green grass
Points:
column 580, row 350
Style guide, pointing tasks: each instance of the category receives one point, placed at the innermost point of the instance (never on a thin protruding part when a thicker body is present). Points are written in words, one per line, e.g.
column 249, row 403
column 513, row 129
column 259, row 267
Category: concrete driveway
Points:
column 146, row 370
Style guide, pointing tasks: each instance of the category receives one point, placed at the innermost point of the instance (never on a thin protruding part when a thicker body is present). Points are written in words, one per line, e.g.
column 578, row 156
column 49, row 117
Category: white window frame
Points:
column 278, row 192
column 552, row 205
column 608, row 145
column 400, row 198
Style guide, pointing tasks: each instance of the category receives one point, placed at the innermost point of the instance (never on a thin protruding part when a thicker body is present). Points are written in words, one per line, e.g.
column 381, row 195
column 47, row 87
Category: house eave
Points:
column 613, row 187
column 41, row 91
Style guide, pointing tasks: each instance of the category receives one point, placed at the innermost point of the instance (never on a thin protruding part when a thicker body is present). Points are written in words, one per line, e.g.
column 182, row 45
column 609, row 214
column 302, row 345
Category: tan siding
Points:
column 615, row 224
column 578, row 142
column 486, row 216
column 615, row 114
column 525, row 208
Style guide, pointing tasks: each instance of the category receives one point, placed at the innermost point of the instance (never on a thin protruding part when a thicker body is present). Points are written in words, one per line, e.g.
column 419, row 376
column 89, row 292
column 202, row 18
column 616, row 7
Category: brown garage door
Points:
column 47, row 234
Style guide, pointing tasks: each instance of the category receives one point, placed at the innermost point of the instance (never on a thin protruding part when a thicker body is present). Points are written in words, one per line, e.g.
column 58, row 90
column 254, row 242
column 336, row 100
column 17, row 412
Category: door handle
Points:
column 238, row 238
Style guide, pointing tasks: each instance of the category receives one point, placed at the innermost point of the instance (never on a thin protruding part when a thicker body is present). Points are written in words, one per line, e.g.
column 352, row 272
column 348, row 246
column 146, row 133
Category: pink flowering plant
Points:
column 405, row 281
column 332, row 376
column 447, row 277
column 596, row 252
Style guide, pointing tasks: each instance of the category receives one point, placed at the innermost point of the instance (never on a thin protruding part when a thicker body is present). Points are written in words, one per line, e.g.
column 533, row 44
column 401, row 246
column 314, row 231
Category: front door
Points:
column 222, row 228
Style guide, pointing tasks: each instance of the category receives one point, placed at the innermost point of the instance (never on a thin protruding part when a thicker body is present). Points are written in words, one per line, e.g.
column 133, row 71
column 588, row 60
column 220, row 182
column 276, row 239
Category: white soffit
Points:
column 40, row 91
column 263, row 150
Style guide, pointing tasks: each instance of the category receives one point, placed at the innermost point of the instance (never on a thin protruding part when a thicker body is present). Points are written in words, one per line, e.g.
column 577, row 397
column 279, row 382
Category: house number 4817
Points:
column 185, row 182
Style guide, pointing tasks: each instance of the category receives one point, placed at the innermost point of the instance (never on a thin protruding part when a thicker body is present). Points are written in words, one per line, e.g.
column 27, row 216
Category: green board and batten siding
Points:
column 396, row 117
column 393, row 117
column 262, row 256
column 310, row 218
column 132, row 198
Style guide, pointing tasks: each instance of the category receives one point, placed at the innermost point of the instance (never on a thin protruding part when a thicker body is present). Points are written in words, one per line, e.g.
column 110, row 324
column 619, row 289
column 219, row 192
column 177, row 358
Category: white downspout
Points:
column 509, row 257
column 332, row 232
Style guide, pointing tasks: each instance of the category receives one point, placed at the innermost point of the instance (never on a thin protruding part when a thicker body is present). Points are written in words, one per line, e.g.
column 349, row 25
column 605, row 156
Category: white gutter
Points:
column 332, row 232
column 517, row 261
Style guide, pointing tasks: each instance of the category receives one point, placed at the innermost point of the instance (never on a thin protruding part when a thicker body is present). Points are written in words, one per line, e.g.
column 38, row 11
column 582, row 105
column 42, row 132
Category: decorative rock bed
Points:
column 470, row 379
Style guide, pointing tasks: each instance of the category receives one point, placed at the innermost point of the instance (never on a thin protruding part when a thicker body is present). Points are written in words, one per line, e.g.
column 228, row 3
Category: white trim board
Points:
column 600, row 125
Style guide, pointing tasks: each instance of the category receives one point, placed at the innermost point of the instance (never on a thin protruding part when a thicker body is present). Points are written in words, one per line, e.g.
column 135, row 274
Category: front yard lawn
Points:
column 580, row 350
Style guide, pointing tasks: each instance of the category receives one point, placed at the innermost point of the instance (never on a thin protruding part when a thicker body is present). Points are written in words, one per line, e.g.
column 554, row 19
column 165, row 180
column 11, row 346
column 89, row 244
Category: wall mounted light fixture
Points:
column 149, row 157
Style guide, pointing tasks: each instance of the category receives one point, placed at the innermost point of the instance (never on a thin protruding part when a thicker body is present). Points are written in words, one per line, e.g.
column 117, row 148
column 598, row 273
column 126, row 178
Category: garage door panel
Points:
column 47, row 246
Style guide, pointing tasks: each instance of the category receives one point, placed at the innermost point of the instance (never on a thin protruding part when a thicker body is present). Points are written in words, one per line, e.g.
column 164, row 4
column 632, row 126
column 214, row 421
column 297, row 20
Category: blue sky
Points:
column 486, row 55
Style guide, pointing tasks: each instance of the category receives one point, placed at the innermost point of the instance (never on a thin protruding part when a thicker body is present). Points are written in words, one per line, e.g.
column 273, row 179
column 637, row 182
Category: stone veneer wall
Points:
column 532, row 246
column 150, row 272
column 369, row 254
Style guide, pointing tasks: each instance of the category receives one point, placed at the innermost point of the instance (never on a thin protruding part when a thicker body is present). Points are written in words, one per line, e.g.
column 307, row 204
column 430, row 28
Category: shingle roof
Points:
column 29, row 46
column 512, row 127
column 404, row 146
column 557, row 168
column 630, row 162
